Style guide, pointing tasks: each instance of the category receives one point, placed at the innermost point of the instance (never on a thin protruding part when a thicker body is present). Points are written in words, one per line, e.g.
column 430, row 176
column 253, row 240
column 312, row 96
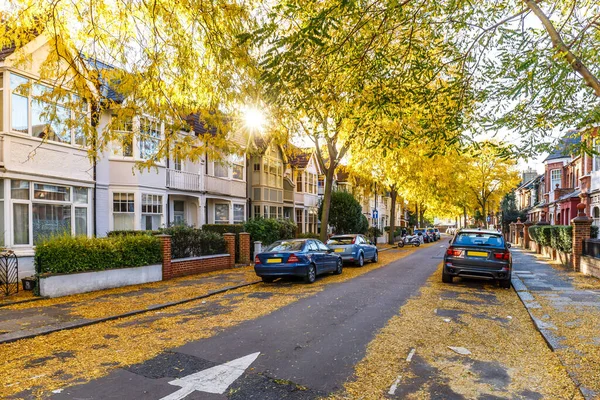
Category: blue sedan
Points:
column 306, row 258
column 354, row 248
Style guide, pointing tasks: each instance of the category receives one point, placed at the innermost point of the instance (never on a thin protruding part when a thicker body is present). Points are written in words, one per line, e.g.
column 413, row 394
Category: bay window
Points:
column 238, row 167
column 149, row 139
column 36, row 111
column 123, row 211
column 555, row 178
column 40, row 211
column 123, row 146
column 221, row 213
column 152, row 209
column 238, row 213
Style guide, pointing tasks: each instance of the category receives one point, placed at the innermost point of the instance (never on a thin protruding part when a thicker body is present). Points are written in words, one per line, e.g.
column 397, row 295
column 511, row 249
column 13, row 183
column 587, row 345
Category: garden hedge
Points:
column 268, row 230
column 68, row 254
column 228, row 228
column 187, row 241
column 559, row 237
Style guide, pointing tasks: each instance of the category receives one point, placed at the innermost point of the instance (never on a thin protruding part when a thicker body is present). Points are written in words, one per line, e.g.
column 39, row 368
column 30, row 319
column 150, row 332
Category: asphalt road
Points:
column 307, row 349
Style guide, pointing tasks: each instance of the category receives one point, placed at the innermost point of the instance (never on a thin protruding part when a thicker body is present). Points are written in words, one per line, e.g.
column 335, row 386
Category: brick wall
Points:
column 195, row 265
column 590, row 266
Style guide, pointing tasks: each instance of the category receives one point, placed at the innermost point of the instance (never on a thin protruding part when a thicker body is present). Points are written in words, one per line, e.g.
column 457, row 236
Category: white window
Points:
column 179, row 212
column 35, row 111
column 596, row 216
column 221, row 171
column 123, row 146
column 123, row 212
column 177, row 163
column 299, row 182
column 238, row 167
column 149, row 138
column 256, row 211
column 41, row 211
column 555, row 178
column 221, row 213
column 239, row 213
column 152, row 210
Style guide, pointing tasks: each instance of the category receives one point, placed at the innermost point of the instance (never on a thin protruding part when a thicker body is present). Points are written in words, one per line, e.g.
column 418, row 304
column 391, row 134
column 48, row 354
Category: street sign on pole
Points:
column 375, row 214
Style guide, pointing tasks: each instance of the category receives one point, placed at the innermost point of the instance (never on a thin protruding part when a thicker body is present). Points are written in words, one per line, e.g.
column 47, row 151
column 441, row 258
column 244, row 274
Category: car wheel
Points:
column 311, row 274
column 505, row 283
column 361, row 260
column 267, row 279
column 446, row 278
column 375, row 257
column 338, row 267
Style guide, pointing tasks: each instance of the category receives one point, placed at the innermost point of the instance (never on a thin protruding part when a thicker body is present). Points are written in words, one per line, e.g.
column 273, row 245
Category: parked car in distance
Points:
column 432, row 235
column 421, row 234
column 477, row 253
column 305, row 258
column 438, row 235
column 354, row 248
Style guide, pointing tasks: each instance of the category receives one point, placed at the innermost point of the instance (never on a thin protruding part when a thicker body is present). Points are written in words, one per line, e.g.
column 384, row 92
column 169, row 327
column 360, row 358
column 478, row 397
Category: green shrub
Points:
column 541, row 234
column 309, row 235
column 561, row 238
column 68, row 254
column 268, row 230
column 594, row 232
column 131, row 233
column 345, row 214
column 227, row 228
column 372, row 231
column 187, row 241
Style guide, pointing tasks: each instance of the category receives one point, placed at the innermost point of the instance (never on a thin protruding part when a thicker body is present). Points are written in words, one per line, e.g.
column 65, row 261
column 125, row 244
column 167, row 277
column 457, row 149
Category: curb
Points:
column 125, row 315
column 551, row 340
column 14, row 303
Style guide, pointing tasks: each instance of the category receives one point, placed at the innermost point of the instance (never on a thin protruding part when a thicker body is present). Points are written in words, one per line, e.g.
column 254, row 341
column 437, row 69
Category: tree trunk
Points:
column 393, row 193
column 326, row 203
column 464, row 217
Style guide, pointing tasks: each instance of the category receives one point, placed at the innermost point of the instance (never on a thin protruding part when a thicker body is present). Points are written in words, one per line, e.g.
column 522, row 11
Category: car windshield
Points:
column 286, row 245
column 341, row 240
column 430, row 230
column 479, row 239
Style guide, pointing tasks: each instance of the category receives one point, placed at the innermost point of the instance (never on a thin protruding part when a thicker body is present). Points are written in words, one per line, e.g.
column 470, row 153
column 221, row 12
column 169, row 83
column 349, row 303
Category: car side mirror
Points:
column 450, row 241
column 508, row 245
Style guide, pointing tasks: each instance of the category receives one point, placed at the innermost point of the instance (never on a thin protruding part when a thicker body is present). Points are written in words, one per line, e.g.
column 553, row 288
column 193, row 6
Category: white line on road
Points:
column 395, row 385
column 410, row 355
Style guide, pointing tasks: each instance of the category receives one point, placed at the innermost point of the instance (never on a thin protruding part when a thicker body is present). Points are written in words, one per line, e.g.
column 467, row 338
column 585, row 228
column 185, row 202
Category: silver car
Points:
column 354, row 248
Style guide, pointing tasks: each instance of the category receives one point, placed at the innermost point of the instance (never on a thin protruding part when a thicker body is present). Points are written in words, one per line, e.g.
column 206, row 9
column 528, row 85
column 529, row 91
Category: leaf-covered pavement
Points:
column 509, row 359
column 35, row 367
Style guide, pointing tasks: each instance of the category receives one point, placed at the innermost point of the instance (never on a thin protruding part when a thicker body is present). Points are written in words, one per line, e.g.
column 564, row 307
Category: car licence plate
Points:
column 477, row 253
column 273, row 260
column 339, row 250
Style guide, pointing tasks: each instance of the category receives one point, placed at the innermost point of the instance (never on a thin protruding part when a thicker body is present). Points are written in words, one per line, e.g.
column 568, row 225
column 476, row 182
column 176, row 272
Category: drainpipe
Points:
column 95, row 120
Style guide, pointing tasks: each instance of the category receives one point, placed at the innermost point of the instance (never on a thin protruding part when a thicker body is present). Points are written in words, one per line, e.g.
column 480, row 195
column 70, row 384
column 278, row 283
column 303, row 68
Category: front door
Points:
column 179, row 212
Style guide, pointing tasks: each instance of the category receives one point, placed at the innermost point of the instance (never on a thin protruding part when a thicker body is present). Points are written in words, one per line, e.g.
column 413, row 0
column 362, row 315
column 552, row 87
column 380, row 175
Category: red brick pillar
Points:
column 244, row 247
column 581, row 231
column 165, row 246
column 230, row 247
column 511, row 233
column 519, row 232
column 526, row 238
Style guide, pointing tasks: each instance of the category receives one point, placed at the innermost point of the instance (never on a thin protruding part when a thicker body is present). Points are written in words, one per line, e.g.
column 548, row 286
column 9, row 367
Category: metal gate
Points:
column 9, row 273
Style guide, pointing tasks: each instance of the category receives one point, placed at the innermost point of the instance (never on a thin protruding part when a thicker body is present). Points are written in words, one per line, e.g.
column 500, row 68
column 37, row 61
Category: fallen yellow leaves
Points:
column 490, row 322
column 66, row 358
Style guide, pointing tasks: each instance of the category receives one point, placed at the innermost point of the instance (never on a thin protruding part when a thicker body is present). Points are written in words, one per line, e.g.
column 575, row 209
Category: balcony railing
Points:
column 180, row 180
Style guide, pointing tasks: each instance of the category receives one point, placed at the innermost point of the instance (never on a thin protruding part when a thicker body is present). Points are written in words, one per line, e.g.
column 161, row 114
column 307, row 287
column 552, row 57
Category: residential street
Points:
column 337, row 338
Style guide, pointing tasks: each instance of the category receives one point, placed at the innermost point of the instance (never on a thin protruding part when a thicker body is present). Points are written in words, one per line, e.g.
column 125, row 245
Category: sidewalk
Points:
column 33, row 318
column 565, row 307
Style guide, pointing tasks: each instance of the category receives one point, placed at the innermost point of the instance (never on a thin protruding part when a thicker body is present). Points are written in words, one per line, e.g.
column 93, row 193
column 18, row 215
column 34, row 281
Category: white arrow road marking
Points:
column 212, row 380
column 410, row 355
column 395, row 385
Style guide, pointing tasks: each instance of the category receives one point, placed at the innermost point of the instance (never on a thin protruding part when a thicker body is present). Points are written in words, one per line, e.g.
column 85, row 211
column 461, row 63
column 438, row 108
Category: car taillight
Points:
column 502, row 256
column 453, row 252
column 256, row 260
column 353, row 240
column 292, row 259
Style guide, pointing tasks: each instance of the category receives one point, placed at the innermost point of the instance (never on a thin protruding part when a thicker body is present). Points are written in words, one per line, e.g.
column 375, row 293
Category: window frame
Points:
column 32, row 83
